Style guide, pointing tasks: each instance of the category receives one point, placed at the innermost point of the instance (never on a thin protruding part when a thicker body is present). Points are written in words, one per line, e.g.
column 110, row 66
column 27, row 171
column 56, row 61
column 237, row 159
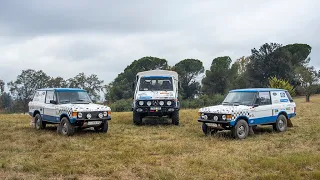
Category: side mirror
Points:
column 53, row 102
column 257, row 102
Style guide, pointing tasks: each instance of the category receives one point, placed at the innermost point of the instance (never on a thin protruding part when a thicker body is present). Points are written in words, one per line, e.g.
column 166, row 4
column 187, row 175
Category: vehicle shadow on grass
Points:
column 156, row 121
column 259, row 130
column 78, row 131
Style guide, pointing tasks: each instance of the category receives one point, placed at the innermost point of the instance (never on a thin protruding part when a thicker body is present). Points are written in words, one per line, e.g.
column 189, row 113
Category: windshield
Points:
column 239, row 98
column 75, row 97
column 155, row 83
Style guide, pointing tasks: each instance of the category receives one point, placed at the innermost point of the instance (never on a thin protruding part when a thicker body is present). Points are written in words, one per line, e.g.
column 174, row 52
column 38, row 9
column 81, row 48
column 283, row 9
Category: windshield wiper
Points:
column 64, row 101
column 236, row 103
column 79, row 101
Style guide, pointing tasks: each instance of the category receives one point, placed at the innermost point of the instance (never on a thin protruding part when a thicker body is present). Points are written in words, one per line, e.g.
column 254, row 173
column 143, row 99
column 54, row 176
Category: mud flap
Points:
column 289, row 123
column 251, row 132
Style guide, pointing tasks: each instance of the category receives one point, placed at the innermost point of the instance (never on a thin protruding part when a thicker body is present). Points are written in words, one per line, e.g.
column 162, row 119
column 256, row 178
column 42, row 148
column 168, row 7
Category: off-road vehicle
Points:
column 69, row 108
column 244, row 109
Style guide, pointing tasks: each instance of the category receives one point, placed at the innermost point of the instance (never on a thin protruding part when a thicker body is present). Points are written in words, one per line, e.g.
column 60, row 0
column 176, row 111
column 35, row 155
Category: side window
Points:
column 50, row 96
column 265, row 98
column 39, row 96
column 289, row 96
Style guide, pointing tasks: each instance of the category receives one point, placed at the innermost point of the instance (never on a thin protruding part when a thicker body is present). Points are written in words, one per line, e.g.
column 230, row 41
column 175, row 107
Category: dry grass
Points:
column 161, row 151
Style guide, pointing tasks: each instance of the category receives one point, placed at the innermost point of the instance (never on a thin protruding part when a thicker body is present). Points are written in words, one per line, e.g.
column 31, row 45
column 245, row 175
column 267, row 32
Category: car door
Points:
column 263, row 112
column 50, row 108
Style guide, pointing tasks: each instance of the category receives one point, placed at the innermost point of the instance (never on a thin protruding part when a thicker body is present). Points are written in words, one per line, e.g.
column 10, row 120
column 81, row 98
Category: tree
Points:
column 2, row 84
column 274, row 82
column 5, row 101
column 188, row 70
column 57, row 82
column 120, row 88
column 308, row 77
column 298, row 54
column 238, row 75
column 216, row 79
column 276, row 60
column 90, row 83
column 270, row 60
column 26, row 84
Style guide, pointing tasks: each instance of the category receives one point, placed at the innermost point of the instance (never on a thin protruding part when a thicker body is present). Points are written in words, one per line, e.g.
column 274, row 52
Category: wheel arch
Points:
column 35, row 113
column 64, row 115
column 283, row 113
column 239, row 118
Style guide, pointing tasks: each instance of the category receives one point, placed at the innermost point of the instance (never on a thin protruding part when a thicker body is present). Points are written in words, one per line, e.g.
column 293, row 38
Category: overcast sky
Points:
column 64, row 38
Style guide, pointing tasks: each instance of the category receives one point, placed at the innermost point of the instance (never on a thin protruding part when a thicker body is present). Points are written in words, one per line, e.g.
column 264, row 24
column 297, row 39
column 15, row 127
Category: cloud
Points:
column 64, row 38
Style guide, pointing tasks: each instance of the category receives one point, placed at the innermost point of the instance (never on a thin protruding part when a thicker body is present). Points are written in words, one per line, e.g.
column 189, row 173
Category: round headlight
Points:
column 79, row 115
column 100, row 115
column 224, row 117
column 149, row 103
column 161, row 103
column 105, row 113
column 89, row 116
column 169, row 103
column 141, row 103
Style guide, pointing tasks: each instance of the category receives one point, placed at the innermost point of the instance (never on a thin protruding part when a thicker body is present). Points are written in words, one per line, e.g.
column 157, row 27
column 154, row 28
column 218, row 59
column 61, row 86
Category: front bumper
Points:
column 156, row 111
column 220, row 125
column 89, row 122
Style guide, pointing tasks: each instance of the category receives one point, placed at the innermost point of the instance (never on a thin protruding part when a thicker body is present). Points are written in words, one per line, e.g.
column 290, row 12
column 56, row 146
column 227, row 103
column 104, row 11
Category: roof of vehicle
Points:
column 61, row 89
column 158, row 73
column 256, row 90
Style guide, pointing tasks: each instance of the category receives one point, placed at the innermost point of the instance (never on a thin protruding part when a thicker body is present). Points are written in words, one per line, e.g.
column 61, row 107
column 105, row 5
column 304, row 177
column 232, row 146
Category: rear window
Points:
column 289, row 96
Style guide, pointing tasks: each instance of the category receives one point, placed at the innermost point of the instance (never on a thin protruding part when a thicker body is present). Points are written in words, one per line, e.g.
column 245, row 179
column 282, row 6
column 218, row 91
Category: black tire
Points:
column 65, row 127
column 38, row 123
column 281, row 124
column 175, row 118
column 103, row 127
column 137, row 120
column 240, row 130
column 207, row 130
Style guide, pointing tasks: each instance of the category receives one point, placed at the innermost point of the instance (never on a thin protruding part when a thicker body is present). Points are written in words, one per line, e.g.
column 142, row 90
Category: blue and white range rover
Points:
column 243, row 109
column 68, row 108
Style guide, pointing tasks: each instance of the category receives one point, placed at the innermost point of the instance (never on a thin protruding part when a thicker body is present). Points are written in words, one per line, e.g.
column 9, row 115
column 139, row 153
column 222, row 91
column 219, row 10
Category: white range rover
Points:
column 68, row 108
column 243, row 109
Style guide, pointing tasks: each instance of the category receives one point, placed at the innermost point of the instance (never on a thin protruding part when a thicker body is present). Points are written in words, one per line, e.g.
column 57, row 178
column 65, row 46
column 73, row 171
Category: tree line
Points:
column 272, row 65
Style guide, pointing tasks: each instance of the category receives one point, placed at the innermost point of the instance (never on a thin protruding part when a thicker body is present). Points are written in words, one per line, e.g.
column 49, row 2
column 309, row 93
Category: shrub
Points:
column 202, row 101
column 121, row 105
column 274, row 82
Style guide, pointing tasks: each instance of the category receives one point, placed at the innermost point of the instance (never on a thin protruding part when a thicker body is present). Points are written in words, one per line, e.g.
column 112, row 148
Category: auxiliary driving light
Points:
column 100, row 115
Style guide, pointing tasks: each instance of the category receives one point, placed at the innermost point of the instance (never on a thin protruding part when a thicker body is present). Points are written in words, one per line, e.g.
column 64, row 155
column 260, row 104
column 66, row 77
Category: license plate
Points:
column 94, row 122
column 212, row 124
column 155, row 108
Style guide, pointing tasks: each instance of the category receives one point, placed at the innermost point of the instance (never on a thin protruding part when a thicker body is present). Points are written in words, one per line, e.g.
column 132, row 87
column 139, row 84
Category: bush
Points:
column 121, row 105
column 274, row 82
column 202, row 101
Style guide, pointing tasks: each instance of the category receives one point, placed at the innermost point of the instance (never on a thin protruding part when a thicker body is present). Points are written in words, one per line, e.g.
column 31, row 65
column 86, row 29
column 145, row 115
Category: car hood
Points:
column 86, row 107
column 221, row 109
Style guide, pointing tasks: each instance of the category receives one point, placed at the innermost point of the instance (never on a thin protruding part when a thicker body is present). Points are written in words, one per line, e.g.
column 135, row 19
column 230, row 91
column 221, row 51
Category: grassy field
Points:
column 159, row 150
